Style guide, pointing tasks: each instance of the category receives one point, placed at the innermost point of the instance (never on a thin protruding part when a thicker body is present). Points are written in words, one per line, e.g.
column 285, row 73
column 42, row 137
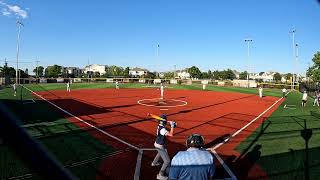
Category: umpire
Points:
column 196, row 163
column 159, row 144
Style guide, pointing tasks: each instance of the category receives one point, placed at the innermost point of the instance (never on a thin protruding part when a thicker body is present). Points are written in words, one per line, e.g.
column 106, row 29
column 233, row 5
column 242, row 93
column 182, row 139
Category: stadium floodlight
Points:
column 294, row 55
column 18, row 49
column 296, row 58
column 248, row 41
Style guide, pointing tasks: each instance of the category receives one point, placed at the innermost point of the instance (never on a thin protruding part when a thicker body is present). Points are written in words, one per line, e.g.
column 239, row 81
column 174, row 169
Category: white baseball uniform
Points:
column 161, row 91
column 260, row 92
column 68, row 87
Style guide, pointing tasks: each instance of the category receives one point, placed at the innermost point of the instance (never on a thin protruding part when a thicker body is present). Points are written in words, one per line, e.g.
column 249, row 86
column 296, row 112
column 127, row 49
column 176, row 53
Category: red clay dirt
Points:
column 212, row 114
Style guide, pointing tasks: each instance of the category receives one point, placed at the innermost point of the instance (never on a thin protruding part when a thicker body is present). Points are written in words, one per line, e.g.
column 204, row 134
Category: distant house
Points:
column 137, row 72
column 73, row 71
column 264, row 76
column 95, row 68
column 183, row 74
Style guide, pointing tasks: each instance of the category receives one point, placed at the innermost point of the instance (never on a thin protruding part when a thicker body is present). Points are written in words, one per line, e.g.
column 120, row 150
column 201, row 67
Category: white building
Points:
column 75, row 71
column 94, row 68
column 264, row 76
column 137, row 72
column 183, row 74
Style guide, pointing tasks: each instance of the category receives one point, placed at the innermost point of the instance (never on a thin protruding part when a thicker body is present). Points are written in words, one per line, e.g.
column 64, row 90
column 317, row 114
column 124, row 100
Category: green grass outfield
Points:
column 48, row 126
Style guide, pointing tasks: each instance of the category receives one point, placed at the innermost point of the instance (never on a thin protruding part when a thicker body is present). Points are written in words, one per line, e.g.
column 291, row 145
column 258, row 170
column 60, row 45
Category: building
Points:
column 183, row 74
column 264, row 76
column 73, row 71
column 94, row 69
column 138, row 72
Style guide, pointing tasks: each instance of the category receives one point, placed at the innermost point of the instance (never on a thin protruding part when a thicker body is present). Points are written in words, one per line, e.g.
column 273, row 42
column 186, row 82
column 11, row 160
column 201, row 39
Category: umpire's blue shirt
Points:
column 193, row 164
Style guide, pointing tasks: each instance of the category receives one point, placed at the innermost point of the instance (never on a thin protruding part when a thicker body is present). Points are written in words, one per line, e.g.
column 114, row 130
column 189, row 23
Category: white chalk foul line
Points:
column 244, row 127
column 96, row 128
column 232, row 176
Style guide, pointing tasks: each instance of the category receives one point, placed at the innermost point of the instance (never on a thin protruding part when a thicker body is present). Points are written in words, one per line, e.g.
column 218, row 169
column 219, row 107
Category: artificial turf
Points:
column 281, row 143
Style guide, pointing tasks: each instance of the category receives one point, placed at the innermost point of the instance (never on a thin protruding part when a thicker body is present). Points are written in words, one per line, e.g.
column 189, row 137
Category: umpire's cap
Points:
column 195, row 140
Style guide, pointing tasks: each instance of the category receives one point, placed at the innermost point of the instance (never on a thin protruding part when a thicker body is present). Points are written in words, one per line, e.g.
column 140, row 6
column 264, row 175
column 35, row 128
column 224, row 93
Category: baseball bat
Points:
column 157, row 117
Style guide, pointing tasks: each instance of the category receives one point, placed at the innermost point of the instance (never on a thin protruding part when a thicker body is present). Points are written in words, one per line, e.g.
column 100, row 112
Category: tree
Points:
column 314, row 71
column 277, row 77
column 243, row 75
column 210, row 74
column 168, row 75
column 194, row 72
column 150, row 75
column 53, row 71
column 126, row 72
column 205, row 75
column 23, row 74
column 227, row 74
column 40, row 71
column 288, row 76
column 216, row 74
column 114, row 71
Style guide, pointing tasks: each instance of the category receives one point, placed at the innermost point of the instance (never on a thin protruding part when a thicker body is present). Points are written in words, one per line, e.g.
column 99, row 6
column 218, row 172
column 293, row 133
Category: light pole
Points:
column 37, row 74
column 18, row 49
column 158, row 51
column 248, row 46
column 296, row 59
column 294, row 55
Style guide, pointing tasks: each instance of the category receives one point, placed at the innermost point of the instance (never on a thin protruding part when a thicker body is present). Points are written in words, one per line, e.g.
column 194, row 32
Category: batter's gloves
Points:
column 173, row 124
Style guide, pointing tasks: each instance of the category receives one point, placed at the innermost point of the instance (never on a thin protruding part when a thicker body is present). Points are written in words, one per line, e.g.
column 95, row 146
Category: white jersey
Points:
column 304, row 96
column 161, row 91
column 284, row 90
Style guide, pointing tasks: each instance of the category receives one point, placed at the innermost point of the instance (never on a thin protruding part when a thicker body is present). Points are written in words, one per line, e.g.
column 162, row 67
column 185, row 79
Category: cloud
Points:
column 15, row 10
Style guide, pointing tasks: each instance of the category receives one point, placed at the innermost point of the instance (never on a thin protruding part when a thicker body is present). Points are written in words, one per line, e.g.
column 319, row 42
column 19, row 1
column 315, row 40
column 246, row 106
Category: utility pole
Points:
column 174, row 74
column 294, row 55
column 248, row 41
column 18, row 49
column 158, row 50
column 37, row 73
column 88, row 71
column 296, row 60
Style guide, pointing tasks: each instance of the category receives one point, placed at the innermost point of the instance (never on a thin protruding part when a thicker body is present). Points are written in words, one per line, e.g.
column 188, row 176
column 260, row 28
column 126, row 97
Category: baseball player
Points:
column 304, row 99
column 260, row 92
column 68, row 87
column 284, row 92
column 161, row 91
column 14, row 86
column 195, row 163
column 160, row 145
column 117, row 85
column 316, row 98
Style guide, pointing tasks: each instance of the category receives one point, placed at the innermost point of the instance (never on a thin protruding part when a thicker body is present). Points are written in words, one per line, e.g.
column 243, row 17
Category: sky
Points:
column 208, row 34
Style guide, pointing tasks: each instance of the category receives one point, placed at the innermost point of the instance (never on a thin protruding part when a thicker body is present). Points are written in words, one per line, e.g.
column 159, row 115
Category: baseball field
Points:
column 99, row 132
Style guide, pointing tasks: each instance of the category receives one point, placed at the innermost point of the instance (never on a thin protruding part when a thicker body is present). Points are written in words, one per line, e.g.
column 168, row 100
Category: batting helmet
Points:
column 163, row 116
column 195, row 140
